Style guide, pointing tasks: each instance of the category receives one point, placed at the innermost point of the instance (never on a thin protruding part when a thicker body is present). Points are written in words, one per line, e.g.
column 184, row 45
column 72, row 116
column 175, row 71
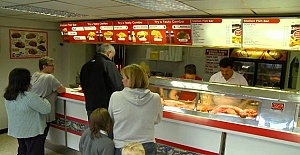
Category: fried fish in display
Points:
column 41, row 47
column 16, row 35
column 32, row 43
column 30, row 35
column 20, row 44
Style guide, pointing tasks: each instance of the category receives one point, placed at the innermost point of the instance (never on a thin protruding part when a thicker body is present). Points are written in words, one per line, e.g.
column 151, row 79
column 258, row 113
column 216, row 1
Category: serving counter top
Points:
column 205, row 122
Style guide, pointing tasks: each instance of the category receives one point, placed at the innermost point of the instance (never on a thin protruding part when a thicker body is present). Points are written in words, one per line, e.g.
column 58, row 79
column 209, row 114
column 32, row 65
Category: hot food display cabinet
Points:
column 227, row 119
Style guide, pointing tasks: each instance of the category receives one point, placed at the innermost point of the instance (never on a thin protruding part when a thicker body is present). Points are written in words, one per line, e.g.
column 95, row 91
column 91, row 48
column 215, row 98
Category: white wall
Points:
column 68, row 58
column 191, row 55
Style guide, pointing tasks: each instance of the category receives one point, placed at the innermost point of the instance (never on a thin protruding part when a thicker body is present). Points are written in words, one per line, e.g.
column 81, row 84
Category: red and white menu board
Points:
column 72, row 32
column 91, row 30
column 132, row 31
column 170, row 31
column 106, row 33
column 213, row 57
column 217, row 32
column 272, row 33
column 99, row 32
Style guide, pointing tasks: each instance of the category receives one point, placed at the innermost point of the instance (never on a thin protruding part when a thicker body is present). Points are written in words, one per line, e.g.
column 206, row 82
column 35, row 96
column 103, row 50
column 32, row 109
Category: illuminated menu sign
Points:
column 170, row 32
column 217, row 32
column 72, row 32
column 132, row 32
column 106, row 33
column 91, row 30
column 272, row 33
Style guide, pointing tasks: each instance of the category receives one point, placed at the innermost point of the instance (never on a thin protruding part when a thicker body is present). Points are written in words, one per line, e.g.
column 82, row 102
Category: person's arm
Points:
column 160, row 112
column 110, row 108
column 61, row 89
column 40, row 105
column 115, row 77
column 172, row 94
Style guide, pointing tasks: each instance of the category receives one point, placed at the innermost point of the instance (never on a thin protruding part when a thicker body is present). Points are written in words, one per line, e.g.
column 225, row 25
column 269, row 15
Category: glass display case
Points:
column 276, row 109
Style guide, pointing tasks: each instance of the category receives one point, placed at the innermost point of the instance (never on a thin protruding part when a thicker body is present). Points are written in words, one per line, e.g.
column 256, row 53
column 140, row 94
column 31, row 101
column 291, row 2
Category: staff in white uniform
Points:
column 227, row 74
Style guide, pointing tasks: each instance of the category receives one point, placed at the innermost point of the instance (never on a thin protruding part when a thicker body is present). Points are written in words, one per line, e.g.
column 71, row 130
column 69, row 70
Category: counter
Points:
column 183, row 131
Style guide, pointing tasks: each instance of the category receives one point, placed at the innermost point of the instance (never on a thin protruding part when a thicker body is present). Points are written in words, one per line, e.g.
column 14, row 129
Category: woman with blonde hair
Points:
column 133, row 148
column 94, row 140
column 135, row 110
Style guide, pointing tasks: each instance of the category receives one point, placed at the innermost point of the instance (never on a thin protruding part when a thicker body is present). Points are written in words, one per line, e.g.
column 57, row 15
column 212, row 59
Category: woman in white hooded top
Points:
column 135, row 110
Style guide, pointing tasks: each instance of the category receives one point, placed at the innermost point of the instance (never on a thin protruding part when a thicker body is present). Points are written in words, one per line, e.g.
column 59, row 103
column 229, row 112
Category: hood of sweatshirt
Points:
column 137, row 96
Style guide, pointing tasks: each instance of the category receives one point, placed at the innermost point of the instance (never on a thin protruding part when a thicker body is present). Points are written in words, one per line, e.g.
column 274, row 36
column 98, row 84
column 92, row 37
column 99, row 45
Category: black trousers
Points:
column 31, row 146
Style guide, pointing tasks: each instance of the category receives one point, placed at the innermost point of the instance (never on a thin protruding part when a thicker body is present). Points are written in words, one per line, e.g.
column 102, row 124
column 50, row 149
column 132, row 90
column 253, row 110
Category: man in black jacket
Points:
column 99, row 78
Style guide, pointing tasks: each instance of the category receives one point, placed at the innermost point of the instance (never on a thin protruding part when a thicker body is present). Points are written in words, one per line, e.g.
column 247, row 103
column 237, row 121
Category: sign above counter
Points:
column 217, row 32
column 266, row 33
column 132, row 31
column 170, row 31
column 72, row 32
column 272, row 33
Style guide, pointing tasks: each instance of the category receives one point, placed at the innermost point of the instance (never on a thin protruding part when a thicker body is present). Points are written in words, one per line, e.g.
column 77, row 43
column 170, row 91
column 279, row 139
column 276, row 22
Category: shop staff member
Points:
column 99, row 78
column 190, row 73
column 227, row 74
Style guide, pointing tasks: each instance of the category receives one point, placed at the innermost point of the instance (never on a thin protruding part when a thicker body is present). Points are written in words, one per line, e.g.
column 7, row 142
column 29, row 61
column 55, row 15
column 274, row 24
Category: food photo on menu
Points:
column 259, row 54
column 26, row 44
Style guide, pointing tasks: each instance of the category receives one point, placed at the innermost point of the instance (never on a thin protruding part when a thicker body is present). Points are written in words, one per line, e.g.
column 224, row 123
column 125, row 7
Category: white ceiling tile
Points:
column 116, row 16
column 293, row 10
column 93, row 3
column 125, row 9
column 149, row 14
column 271, row 3
column 230, row 12
column 3, row 3
column 58, row 6
column 185, row 13
column 25, row 1
column 216, row 4
column 92, row 12
column 4, row 12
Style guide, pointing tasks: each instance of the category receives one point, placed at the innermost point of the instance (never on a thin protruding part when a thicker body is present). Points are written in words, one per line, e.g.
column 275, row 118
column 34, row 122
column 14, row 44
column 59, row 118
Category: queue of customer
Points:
column 113, row 102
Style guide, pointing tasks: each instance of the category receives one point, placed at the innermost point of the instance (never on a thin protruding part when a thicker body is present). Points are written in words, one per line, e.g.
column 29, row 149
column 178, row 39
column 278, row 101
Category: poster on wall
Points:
column 28, row 44
column 213, row 57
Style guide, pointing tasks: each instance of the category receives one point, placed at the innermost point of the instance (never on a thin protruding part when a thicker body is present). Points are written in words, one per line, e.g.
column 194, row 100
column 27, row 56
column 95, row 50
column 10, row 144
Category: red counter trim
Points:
column 68, row 130
column 184, row 147
column 77, row 120
column 234, row 127
column 72, row 96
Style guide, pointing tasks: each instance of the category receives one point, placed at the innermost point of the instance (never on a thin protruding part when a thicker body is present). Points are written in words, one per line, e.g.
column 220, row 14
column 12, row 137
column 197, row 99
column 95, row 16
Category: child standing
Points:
column 134, row 148
column 94, row 140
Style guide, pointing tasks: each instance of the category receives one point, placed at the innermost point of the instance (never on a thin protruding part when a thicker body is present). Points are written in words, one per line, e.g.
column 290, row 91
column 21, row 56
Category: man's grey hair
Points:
column 44, row 61
column 105, row 48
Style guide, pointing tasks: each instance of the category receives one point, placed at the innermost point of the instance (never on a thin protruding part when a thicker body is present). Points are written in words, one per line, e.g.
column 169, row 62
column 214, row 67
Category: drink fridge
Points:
column 265, row 68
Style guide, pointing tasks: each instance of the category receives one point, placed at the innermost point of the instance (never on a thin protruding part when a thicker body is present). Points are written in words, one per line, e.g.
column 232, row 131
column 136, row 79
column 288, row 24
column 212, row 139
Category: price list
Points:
column 213, row 57
column 72, row 32
column 266, row 33
column 216, row 32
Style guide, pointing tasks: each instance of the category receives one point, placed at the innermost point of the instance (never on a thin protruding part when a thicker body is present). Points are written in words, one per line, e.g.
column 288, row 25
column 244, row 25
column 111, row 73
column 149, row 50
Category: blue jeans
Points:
column 150, row 149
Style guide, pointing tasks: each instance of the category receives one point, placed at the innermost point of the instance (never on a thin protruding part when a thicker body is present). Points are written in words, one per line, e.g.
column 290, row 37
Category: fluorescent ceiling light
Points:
column 159, row 5
column 43, row 11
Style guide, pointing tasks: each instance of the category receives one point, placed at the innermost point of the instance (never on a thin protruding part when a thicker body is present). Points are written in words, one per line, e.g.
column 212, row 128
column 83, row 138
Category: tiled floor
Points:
column 9, row 146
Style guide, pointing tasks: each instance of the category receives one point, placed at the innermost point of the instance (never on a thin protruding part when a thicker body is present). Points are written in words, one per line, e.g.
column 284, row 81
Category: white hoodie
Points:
column 134, row 112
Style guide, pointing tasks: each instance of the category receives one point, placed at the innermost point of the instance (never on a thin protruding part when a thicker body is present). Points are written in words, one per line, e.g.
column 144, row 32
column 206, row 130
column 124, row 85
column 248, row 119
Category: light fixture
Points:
column 159, row 5
column 43, row 11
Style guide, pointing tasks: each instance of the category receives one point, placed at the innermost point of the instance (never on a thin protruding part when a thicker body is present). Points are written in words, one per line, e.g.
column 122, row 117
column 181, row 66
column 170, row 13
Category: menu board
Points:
column 217, row 32
column 106, row 32
column 91, row 30
column 170, row 32
column 272, row 33
column 72, row 32
column 28, row 44
column 213, row 57
column 132, row 31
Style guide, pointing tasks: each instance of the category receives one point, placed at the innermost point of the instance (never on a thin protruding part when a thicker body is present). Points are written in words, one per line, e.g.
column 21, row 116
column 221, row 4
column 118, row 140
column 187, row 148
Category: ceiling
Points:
column 110, row 9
